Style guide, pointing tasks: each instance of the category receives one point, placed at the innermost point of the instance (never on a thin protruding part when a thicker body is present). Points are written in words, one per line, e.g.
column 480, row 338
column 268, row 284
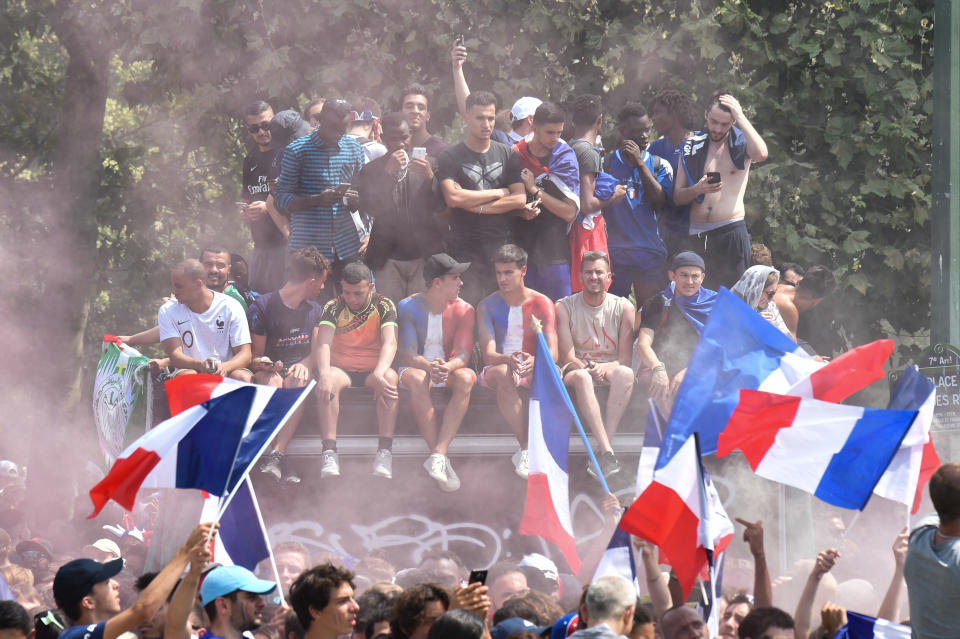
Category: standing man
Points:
column 314, row 186
column 203, row 331
column 269, row 244
column 283, row 326
column 595, row 340
column 551, row 175
column 415, row 106
column 322, row 597
column 355, row 346
column 508, row 342
column 717, row 228
column 397, row 192
column 436, row 341
column 610, row 602
column 636, row 249
column 480, row 182
column 674, row 117
column 232, row 597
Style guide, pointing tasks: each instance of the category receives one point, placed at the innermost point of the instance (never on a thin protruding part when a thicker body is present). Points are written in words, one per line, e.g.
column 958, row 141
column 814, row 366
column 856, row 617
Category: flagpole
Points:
column 266, row 538
column 538, row 329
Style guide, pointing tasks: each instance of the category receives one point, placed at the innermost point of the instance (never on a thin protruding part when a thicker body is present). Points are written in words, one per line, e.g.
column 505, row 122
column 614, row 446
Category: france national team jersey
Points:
column 435, row 335
column 510, row 326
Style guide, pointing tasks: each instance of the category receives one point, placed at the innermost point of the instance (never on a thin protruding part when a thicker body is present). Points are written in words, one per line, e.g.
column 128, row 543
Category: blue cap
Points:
column 513, row 625
column 223, row 580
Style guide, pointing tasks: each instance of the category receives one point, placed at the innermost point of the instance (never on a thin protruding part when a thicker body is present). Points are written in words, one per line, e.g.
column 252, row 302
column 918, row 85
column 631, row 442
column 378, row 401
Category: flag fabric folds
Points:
column 618, row 558
column 739, row 349
column 546, row 512
column 652, row 438
column 242, row 539
column 834, row 451
column 681, row 513
column 917, row 459
column 864, row 627
column 121, row 373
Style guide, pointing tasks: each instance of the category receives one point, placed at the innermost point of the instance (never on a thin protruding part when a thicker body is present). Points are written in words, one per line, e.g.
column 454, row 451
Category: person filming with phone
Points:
column 712, row 179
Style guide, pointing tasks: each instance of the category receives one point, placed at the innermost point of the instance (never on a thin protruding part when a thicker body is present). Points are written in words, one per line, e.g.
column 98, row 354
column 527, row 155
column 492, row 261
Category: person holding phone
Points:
column 717, row 228
column 415, row 106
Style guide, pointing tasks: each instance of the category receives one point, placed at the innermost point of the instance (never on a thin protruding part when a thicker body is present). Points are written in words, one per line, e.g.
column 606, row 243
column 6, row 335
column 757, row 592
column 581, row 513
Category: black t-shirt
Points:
column 545, row 236
column 473, row 236
column 435, row 146
column 674, row 336
column 258, row 168
column 288, row 330
column 404, row 226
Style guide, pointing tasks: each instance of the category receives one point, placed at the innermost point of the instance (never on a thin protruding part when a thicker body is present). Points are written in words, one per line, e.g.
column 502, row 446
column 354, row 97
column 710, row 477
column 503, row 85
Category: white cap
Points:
column 524, row 107
column 9, row 469
column 107, row 546
column 541, row 563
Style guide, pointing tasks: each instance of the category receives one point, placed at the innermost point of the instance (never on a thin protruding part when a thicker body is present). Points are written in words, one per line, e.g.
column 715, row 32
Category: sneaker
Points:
column 521, row 463
column 452, row 482
column 270, row 465
column 609, row 465
column 330, row 466
column 291, row 477
column 383, row 464
column 436, row 467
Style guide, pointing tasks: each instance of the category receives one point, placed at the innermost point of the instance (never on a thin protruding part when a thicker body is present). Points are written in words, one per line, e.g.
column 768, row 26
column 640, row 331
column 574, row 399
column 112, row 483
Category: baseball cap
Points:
column 442, row 264
column 541, row 563
column 687, row 258
column 38, row 545
column 524, row 107
column 223, row 580
column 76, row 579
column 106, row 545
column 513, row 625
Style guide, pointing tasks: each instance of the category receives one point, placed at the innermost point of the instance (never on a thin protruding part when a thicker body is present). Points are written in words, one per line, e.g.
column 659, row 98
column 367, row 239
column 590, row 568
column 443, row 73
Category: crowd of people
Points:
column 100, row 591
column 384, row 258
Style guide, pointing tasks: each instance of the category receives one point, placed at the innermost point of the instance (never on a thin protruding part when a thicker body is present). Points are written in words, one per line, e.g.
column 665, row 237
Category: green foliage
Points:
column 841, row 92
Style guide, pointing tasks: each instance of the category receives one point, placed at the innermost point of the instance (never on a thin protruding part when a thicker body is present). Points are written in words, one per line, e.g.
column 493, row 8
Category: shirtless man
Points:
column 717, row 230
column 794, row 299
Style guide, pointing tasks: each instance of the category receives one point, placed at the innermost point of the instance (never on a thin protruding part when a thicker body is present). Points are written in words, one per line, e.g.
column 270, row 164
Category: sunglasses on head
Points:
column 262, row 126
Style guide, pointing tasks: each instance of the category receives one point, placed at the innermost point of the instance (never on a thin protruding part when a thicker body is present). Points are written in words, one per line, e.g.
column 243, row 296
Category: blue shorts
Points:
column 635, row 266
column 552, row 280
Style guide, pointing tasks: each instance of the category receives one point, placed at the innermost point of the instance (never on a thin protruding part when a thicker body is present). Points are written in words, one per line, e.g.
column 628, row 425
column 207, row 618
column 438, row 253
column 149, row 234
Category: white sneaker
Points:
column 452, row 482
column 436, row 467
column 383, row 464
column 330, row 466
column 521, row 462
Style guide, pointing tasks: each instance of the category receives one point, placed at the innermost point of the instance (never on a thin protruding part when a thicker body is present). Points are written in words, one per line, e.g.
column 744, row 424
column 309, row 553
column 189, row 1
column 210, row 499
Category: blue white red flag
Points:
column 834, row 451
column 917, row 459
column 739, row 349
column 242, row 539
column 652, row 439
column 618, row 559
column 546, row 512
column 864, row 627
column 681, row 513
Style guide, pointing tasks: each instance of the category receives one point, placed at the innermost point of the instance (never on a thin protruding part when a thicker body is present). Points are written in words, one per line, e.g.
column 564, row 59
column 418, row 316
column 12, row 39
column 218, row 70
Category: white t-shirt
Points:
column 213, row 333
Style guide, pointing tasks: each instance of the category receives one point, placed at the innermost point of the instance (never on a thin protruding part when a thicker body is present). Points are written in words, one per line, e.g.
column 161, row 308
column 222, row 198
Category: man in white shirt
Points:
column 203, row 331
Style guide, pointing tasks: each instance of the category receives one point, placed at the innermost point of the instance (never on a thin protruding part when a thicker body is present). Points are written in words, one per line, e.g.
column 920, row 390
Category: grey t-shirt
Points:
column 587, row 156
column 932, row 572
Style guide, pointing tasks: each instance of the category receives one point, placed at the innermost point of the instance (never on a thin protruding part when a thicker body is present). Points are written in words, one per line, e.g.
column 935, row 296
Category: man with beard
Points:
column 713, row 179
column 595, row 341
column 232, row 598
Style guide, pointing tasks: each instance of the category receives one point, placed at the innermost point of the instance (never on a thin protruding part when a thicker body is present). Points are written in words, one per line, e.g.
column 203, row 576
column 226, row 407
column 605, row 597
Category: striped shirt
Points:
column 309, row 166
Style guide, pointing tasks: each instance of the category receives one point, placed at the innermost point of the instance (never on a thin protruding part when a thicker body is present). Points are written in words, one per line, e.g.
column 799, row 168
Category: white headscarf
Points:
column 750, row 286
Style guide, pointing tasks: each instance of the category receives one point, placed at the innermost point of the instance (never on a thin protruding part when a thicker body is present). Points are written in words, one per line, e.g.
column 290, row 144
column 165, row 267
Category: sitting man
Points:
column 508, row 341
column 676, row 334
column 595, row 338
column 355, row 346
column 218, row 264
column 436, row 341
column 793, row 300
column 283, row 325
column 203, row 331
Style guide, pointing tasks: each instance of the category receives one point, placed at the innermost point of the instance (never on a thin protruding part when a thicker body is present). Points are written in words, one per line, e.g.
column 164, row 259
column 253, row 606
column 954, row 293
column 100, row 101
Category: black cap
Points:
column 76, row 579
column 687, row 258
column 442, row 264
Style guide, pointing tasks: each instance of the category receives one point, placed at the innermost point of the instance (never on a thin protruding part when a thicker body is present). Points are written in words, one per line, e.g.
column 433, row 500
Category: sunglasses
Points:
column 263, row 126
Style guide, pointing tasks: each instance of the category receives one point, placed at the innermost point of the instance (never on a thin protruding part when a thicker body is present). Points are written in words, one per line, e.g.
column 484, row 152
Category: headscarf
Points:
column 750, row 286
column 695, row 308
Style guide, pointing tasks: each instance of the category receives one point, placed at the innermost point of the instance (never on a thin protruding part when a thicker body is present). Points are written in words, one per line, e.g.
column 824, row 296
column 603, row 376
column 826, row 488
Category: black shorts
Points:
column 358, row 379
column 725, row 252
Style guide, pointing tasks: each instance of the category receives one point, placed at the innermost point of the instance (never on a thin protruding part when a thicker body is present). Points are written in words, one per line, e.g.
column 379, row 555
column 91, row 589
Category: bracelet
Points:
column 659, row 367
column 539, row 191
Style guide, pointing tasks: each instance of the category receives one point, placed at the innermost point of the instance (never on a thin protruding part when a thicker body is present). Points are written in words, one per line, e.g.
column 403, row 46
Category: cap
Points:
column 524, row 107
column 362, row 116
column 9, row 469
column 76, row 579
column 442, row 264
column 223, row 580
column 106, row 545
column 36, row 546
column 541, row 563
column 687, row 258
column 513, row 625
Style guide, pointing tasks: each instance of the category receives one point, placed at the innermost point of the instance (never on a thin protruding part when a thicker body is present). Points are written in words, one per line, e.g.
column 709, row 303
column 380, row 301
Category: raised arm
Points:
column 762, row 587
column 592, row 555
column 756, row 147
column 656, row 585
column 186, row 595
column 458, row 56
column 825, row 561
column 890, row 608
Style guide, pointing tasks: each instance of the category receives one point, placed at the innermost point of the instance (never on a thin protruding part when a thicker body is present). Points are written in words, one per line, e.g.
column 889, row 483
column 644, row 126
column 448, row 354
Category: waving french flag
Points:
column 546, row 512
column 739, row 349
column 865, row 627
column 836, row 452
column 242, row 540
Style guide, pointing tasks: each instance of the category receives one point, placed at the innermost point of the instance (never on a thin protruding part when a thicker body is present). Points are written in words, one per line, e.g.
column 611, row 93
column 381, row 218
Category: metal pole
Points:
column 945, row 181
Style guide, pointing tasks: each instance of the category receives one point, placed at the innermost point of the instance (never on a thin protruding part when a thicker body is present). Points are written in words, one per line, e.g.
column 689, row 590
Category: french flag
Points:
column 739, row 349
column 681, row 513
column 917, row 459
column 836, row 452
column 864, row 627
column 546, row 512
column 652, row 439
column 618, row 559
column 242, row 539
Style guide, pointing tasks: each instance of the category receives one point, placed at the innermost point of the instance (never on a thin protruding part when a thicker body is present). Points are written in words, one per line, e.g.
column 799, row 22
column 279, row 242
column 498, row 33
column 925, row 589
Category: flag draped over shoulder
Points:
column 121, row 373
column 546, row 512
column 833, row 451
column 562, row 173
column 738, row 349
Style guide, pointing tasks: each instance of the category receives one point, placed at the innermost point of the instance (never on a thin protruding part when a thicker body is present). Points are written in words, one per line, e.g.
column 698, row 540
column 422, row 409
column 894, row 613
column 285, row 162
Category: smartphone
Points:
column 477, row 576
column 419, row 153
column 343, row 187
column 713, row 177
column 459, row 41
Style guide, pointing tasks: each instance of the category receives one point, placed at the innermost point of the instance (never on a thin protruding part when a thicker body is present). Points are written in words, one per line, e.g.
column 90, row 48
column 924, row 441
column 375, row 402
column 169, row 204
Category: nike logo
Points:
column 183, row 322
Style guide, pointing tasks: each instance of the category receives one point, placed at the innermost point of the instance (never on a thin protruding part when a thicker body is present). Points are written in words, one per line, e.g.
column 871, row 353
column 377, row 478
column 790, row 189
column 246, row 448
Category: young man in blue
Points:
column 637, row 251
